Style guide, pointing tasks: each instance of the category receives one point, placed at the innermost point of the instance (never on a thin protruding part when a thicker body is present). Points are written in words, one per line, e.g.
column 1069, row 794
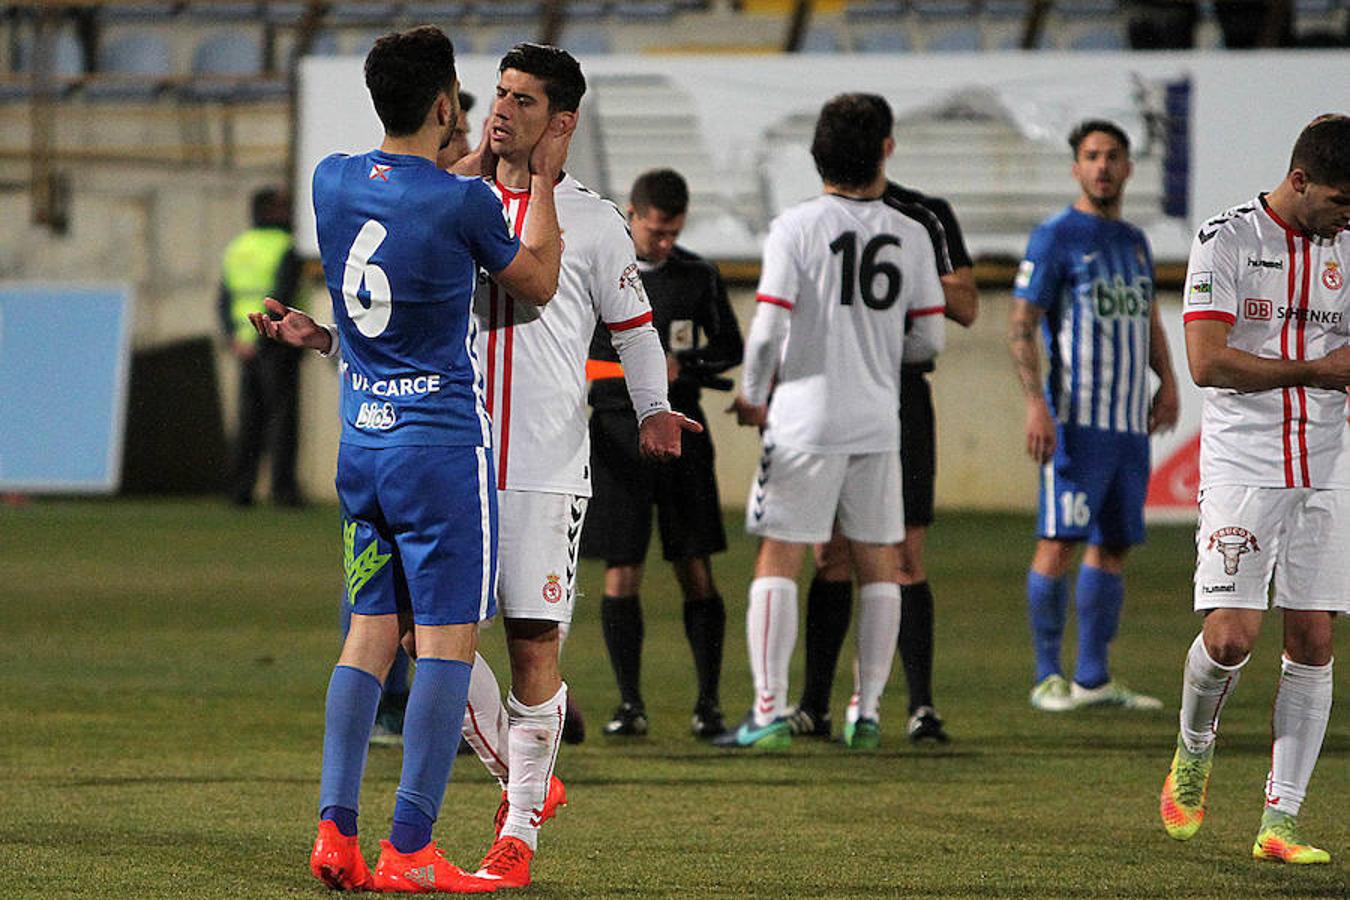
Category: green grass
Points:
column 163, row 665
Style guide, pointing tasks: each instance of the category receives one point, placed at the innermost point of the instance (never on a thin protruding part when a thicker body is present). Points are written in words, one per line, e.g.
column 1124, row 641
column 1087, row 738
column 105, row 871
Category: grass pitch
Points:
column 163, row 666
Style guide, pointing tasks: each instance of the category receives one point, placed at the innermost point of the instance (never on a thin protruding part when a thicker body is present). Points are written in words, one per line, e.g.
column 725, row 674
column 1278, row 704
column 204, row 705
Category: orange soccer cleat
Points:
column 336, row 860
column 556, row 797
column 424, row 872
column 507, row 864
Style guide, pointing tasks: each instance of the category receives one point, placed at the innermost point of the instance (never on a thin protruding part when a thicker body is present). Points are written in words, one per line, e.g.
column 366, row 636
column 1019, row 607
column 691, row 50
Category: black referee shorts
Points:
column 918, row 447
column 625, row 487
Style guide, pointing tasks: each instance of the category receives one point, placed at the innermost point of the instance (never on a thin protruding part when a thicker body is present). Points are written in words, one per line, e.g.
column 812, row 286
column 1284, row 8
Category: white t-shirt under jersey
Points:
column 1285, row 296
column 534, row 359
column 850, row 271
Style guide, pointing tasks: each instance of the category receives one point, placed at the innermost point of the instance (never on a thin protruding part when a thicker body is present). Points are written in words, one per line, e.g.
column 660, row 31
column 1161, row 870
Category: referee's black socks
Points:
column 621, row 620
column 829, row 608
column 916, row 642
column 705, row 625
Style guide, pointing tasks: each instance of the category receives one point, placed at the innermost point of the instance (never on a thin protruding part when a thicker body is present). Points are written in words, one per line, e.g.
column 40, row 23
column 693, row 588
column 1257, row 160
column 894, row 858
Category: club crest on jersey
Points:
column 1232, row 542
column 1332, row 277
column 553, row 590
column 380, row 172
column 630, row 278
column 1200, row 289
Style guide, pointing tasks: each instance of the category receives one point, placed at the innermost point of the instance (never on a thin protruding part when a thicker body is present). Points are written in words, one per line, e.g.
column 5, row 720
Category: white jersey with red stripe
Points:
column 534, row 358
column 1284, row 295
column 851, row 272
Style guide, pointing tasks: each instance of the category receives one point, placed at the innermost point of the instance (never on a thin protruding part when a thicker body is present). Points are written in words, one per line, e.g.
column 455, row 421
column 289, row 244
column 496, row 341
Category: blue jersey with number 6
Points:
column 401, row 243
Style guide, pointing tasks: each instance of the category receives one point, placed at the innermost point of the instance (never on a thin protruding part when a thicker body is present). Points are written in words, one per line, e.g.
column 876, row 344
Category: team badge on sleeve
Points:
column 1024, row 273
column 1200, row 289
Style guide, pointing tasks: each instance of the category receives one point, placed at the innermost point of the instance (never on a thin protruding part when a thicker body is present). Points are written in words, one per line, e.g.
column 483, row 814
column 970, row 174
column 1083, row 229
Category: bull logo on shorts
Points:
column 553, row 591
column 1232, row 542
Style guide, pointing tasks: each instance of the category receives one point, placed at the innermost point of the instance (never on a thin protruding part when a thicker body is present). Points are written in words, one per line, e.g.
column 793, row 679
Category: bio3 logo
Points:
column 378, row 416
column 1116, row 299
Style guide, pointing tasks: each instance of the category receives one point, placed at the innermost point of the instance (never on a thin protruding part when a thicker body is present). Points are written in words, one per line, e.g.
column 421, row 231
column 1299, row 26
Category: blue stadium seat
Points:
column 433, row 13
column 134, row 66
column 642, row 10
column 577, row 10
column 883, row 40
column 588, row 42
column 947, row 9
column 230, row 67
column 963, row 39
column 822, row 39
column 874, row 9
column 142, row 11
column 508, row 10
column 1108, row 37
column 350, row 13
column 1006, row 9
column 67, row 55
column 284, row 12
column 217, row 11
column 1080, row 9
column 498, row 44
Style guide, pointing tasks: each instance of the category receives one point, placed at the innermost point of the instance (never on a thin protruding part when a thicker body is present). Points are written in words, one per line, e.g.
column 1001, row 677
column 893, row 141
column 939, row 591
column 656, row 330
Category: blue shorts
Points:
column 1094, row 488
column 419, row 532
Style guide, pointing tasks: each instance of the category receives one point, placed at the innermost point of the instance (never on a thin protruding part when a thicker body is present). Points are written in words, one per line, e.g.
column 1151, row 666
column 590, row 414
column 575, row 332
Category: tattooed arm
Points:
column 1026, row 354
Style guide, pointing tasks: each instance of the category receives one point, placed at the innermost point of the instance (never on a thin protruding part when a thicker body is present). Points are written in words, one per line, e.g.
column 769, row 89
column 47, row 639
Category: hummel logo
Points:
column 423, row 877
column 1205, row 238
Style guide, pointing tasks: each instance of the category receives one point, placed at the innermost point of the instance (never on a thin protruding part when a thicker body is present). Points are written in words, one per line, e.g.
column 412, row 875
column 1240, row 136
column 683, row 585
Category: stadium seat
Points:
column 142, row 11
column 134, row 66
column 588, row 42
column 216, row 11
column 1108, row 37
column 1083, row 9
column 642, row 10
column 947, row 9
column 498, row 44
column 230, row 67
column 433, row 13
column 822, row 39
column 508, row 11
column 67, row 55
column 883, row 40
column 876, row 9
column 1005, row 9
column 284, row 12
column 962, row 39
column 578, row 10
column 350, row 13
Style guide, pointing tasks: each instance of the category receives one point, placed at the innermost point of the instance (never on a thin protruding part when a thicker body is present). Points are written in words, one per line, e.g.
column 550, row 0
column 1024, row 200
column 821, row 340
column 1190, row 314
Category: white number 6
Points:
column 372, row 320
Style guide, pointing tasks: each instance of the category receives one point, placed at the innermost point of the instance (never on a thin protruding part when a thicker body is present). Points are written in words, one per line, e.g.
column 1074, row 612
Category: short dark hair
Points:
column 849, row 143
column 662, row 189
column 404, row 73
column 268, row 208
column 556, row 68
column 466, row 101
column 1105, row 126
column 1322, row 150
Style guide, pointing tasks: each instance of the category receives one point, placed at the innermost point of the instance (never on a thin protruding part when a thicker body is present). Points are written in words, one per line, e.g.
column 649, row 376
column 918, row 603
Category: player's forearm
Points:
column 1025, row 353
column 542, row 239
column 925, row 340
column 763, row 349
column 963, row 298
column 1239, row 370
column 644, row 369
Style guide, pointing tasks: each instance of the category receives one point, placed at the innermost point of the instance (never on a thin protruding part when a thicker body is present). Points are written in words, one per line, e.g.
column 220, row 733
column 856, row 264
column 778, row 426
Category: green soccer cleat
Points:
column 1182, row 802
column 1278, row 841
column 1051, row 694
column 777, row 735
column 864, row 734
column 1113, row 693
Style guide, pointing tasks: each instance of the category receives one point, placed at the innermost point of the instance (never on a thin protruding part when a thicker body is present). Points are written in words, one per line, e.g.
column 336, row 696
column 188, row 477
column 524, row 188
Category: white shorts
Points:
column 1301, row 536
column 538, row 536
column 796, row 497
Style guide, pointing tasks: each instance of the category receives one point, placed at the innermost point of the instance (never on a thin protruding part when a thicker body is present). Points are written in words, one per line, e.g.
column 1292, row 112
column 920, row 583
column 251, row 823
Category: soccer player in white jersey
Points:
column 534, row 361
column 840, row 273
column 1267, row 326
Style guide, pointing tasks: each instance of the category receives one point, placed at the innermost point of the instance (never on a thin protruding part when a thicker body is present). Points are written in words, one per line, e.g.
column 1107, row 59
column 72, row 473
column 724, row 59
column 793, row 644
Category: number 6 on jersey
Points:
column 369, row 320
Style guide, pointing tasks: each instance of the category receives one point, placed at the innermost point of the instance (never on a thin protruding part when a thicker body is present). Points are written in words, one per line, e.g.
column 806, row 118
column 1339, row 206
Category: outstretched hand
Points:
column 288, row 325
column 660, row 433
column 748, row 413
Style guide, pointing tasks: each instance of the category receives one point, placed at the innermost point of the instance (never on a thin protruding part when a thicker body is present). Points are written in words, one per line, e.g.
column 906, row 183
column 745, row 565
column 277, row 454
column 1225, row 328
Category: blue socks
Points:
column 430, row 741
column 1098, row 597
column 1047, row 603
column 349, row 713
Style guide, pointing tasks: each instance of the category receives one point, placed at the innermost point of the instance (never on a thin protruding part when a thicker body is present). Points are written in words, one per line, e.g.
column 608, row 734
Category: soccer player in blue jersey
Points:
column 401, row 242
column 1087, row 285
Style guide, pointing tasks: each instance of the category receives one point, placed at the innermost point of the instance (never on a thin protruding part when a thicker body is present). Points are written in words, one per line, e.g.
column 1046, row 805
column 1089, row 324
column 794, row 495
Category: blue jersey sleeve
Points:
column 484, row 230
column 1040, row 275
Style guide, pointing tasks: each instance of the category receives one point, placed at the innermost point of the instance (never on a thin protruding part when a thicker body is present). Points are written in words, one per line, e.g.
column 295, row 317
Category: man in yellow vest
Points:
column 260, row 263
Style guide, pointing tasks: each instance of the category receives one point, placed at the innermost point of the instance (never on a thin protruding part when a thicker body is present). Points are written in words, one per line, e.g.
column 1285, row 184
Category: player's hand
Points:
column 1165, row 409
column 1333, row 370
column 549, row 155
column 1040, row 432
column 660, row 433
column 288, row 325
column 480, row 161
column 748, row 413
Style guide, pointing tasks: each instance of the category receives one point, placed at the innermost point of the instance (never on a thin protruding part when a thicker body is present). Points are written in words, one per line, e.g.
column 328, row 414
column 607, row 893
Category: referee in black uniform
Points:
column 701, row 338
column 829, row 603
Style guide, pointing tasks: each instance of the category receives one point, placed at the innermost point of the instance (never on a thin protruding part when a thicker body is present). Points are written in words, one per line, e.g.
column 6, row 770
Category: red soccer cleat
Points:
column 336, row 860
column 507, row 864
column 424, row 872
column 556, row 797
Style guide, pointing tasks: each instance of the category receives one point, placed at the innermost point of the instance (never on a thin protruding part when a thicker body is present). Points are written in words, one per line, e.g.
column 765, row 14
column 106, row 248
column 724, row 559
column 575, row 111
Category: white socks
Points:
column 771, row 635
column 485, row 721
column 878, row 632
column 536, row 732
column 1299, row 722
column 1205, row 687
